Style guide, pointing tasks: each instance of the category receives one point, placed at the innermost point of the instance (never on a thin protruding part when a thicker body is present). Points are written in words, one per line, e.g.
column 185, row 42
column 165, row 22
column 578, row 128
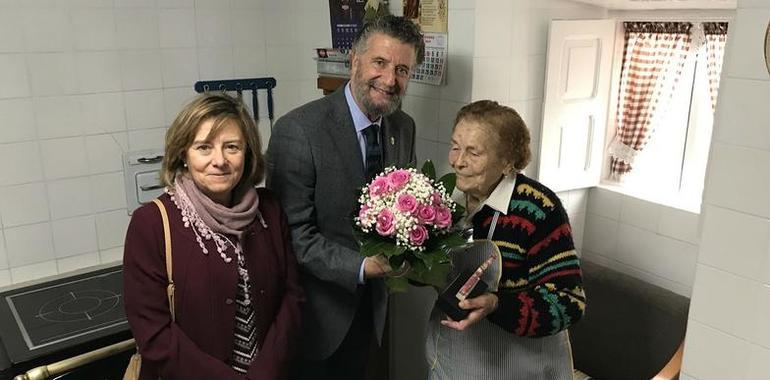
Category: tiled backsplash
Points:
column 728, row 335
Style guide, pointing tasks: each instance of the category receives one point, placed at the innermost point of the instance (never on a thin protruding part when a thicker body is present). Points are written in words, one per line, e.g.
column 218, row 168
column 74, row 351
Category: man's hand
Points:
column 481, row 306
column 378, row 266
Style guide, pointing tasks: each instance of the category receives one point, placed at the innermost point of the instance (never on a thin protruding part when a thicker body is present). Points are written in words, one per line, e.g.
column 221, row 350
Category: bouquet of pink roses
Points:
column 407, row 216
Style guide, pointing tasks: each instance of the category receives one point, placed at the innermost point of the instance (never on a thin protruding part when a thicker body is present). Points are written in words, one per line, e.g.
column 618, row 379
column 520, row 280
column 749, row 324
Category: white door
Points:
column 577, row 87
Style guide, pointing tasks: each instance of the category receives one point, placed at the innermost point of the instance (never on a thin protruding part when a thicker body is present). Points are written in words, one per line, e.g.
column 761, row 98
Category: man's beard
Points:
column 371, row 108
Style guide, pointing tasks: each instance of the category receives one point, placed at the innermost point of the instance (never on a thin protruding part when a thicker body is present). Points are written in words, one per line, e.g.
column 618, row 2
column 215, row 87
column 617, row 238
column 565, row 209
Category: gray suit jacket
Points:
column 316, row 168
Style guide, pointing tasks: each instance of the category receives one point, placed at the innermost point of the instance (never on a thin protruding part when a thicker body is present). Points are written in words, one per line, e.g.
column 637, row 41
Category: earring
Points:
column 184, row 164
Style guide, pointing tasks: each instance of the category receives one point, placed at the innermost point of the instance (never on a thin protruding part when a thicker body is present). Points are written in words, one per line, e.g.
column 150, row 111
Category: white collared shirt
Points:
column 500, row 198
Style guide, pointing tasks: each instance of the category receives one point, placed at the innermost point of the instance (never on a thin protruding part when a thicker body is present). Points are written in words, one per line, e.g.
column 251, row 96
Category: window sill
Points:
column 678, row 201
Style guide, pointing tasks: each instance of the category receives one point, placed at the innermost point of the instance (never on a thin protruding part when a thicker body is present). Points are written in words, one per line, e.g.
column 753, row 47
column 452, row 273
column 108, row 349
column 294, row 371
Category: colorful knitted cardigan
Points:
column 540, row 291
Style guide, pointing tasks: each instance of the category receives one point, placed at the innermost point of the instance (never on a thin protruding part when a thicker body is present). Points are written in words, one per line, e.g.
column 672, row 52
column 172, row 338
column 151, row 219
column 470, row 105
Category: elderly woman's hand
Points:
column 481, row 306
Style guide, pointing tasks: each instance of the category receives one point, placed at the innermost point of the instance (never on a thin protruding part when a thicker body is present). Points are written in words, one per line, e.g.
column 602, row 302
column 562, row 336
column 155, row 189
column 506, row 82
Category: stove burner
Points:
column 63, row 312
column 79, row 305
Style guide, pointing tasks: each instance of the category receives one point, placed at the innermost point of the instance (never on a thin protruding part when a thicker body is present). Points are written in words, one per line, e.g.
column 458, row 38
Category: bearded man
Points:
column 319, row 157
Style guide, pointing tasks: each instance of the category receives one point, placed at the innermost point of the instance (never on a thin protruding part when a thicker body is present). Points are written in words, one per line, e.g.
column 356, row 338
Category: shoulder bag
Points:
column 135, row 364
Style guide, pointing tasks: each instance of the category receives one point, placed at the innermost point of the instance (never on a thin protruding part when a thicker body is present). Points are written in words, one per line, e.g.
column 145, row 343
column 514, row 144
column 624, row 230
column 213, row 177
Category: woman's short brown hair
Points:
column 512, row 134
column 222, row 109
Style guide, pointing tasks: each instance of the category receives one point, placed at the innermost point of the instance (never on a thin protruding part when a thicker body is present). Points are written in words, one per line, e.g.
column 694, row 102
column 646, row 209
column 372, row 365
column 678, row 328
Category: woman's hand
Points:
column 481, row 306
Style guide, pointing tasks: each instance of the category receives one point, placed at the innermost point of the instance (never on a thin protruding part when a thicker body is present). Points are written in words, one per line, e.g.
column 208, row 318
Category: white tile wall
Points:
column 23, row 204
column 72, row 263
column 63, row 117
column 425, row 112
column 703, row 342
column 736, row 95
column 64, row 158
column 655, row 243
column 216, row 63
column 11, row 32
column 141, row 69
column 177, row 28
column 679, row 224
column 639, row 213
column 74, row 236
column 13, row 155
column 93, row 29
column 213, row 27
column 733, row 167
column 29, row 244
column 37, row 26
column 13, row 74
column 69, row 197
column 33, row 271
column 3, row 254
column 104, row 153
column 111, row 255
column 51, row 73
column 17, row 119
column 743, row 59
column 179, row 67
column 98, row 71
column 103, row 112
column 246, row 24
column 144, row 109
column 111, row 228
column 748, row 235
column 137, row 29
column 728, row 335
column 109, row 192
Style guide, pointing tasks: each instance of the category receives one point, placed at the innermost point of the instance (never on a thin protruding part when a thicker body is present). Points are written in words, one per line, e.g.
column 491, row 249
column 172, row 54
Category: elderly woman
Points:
column 237, row 298
column 518, row 332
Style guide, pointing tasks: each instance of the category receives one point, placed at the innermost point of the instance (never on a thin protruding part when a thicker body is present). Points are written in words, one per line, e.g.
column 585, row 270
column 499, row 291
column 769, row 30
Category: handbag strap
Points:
column 169, row 262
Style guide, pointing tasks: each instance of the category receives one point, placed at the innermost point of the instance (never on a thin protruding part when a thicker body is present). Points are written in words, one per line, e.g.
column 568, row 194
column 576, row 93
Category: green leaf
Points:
column 435, row 276
column 449, row 181
column 429, row 170
column 397, row 284
column 372, row 246
column 449, row 241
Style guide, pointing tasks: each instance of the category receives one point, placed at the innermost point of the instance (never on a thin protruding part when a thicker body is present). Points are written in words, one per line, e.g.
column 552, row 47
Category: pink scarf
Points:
column 220, row 219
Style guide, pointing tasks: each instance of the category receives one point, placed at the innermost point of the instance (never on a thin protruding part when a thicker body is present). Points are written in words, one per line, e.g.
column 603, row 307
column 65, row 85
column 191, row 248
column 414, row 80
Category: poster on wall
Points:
column 431, row 15
column 346, row 18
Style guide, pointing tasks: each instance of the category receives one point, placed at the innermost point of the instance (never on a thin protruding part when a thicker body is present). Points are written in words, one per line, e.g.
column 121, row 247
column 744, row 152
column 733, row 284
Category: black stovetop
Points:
column 62, row 317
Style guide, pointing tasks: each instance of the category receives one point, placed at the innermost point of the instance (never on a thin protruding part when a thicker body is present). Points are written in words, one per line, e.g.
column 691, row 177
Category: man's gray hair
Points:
column 399, row 28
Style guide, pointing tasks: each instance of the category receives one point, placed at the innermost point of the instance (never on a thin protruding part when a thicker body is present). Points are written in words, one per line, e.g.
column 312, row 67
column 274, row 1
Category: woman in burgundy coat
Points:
column 237, row 298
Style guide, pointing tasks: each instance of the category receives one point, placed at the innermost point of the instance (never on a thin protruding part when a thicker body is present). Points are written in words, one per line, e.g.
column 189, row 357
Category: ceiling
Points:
column 663, row 4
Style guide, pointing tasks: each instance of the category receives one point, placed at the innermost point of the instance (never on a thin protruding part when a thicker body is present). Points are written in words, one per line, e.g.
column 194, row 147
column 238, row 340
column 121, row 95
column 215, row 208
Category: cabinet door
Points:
column 577, row 91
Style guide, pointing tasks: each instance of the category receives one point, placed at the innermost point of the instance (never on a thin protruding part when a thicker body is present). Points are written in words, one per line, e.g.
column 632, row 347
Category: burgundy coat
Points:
column 199, row 345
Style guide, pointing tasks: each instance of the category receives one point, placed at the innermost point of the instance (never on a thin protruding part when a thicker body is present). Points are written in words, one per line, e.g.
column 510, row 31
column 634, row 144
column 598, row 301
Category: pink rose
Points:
column 426, row 214
column 406, row 203
column 398, row 178
column 443, row 217
column 378, row 187
column 418, row 235
column 385, row 222
column 436, row 198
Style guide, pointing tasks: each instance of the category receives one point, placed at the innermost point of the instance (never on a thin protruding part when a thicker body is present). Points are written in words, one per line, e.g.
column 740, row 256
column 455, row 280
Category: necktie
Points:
column 373, row 151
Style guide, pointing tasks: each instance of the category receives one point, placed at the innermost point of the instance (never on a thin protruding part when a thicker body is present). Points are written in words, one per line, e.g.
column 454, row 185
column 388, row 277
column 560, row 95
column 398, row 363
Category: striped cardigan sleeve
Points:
column 545, row 294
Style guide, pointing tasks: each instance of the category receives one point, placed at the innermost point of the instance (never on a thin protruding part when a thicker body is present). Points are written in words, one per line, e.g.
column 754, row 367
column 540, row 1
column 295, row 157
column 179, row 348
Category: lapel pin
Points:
column 392, row 141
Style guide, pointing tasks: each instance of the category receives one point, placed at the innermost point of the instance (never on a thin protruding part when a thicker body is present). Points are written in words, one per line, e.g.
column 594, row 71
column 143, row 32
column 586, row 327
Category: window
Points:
column 665, row 102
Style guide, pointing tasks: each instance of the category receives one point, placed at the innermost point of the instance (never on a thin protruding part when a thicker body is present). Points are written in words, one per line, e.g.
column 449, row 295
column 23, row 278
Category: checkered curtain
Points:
column 653, row 58
column 716, row 37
